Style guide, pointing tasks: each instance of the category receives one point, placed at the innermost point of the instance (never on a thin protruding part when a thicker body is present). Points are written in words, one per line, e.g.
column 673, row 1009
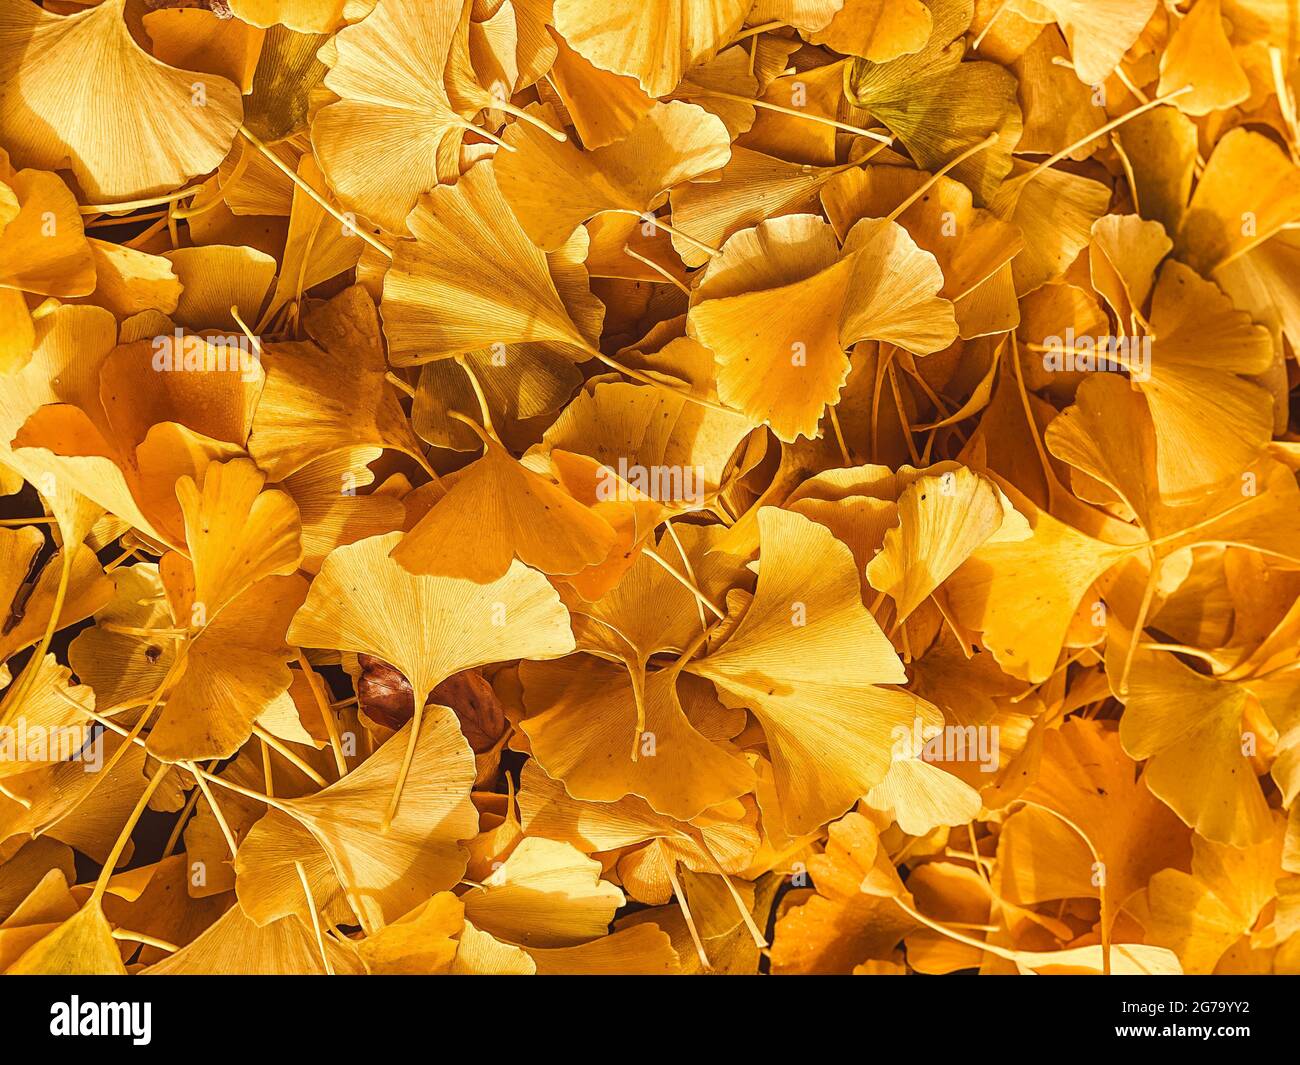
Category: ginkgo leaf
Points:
column 305, row 16
column 316, row 249
column 195, row 39
column 806, row 613
column 552, row 187
column 639, row 427
column 940, row 107
column 971, row 245
column 1099, row 31
column 941, row 521
column 1086, row 779
column 1188, row 727
column 920, row 797
column 519, row 514
column 81, row 945
column 388, row 72
column 654, row 44
column 68, row 108
column 233, row 944
column 841, row 925
column 1022, row 595
column 383, row 870
column 237, row 533
column 877, row 30
column 546, row 894
column 752, row 187
column 422, row 941
column 233, row 672
column 461, row 287
column 1246, row 178
column 43, row 246
column 703, row 845
column 769, row 308
column 328, row 393
column 582, row 727
column 1197, row 450
column 1201, row 913
column 1200, row 55
column 429, row 627
column 781, row 303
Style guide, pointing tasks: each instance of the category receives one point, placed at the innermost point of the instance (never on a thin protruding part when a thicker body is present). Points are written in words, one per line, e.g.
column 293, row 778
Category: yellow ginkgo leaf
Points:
column 497, row 510
column 29, row 607
column 942, row 519
column 752, row 187
column 216, row 277
column 465, row 283
column 317, row 247
column 894, row 291
column 644, row 950
column 363, row 601
column 921, row 797
column 305, row 16
column 232, row 673
column 234, row 945
column 941, row 107
column 971, row 245
column 328, row 393
column 705, row 844
column 80, row 946
column 1115, row 824
column 428, row 627
column 1249, row 190
column 877, row 30
column 53, row 727
column 1123, row 257
column 769, row 308
column 1210, row 422
column 602, row 106
column 420, row 942
column 334, row 510
column 384, row 870
column 1099, row 32
column 1201, row 914
column 583, row 726
column 17, row 332
column 1188, row 727
column 195, row 39
column 67, row 109
column 781, row 304
column 843, row 924
column 43, row 246
column 656, row 44
column 1200, row 55
column 1161, row 148
column 552, row 187
column 641, row 428
column 237, row 533
column 129, row 282
column 546, row 894
column 388, row 70
column 830, row 730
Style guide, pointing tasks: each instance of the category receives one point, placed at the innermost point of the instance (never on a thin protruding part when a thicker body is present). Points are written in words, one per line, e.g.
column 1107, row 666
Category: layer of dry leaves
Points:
column 629, row 486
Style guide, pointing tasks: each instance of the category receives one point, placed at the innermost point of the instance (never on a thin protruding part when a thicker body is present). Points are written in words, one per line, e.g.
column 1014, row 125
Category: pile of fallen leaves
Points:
column 620, row 486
